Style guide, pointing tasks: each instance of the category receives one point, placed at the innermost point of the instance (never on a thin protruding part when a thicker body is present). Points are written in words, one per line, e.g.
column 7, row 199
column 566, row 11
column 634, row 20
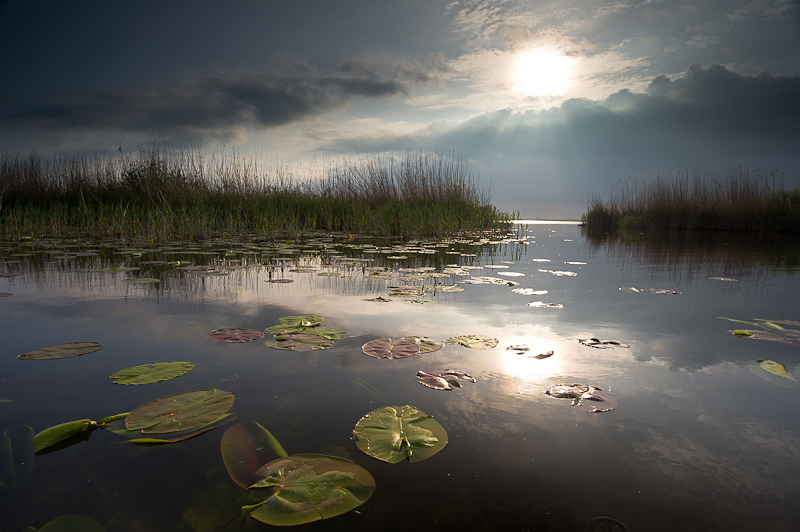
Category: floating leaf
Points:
column 544, row 355
column 473, row 341
column 601, row 344
column 72, row 349
column 280, row 280
column 542, row 304
column 244, row 447
column 395, row 433
column 581, row 393
column 182, row 435
column 776, row 368
column 433, row 381
column 529, row 291
column 5, row 294
column 327, row 332
column 141, row 280
column 300, row 342
column 17, row 453
column 448, row 288
column 773, row 372
column 149, row 373
column 378, row 299
column 560, row 273
column 308, row 487
column 388, row 348
column 520, row 347
column 235, row 336
column 181, row 411
column 445, row 379
column 292, row 323
column 426, row 345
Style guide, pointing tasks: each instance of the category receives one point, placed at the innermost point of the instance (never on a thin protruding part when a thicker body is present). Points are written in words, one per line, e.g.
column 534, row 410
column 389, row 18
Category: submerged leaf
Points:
column 17, row 451
column 388, row 348
column 72, row 349
column 395, row 433
column 473, row 341
column 235, row 336
column 149, row 373
column 308, row 487
column 179, row 412
column 244, row 450
column 774, row 372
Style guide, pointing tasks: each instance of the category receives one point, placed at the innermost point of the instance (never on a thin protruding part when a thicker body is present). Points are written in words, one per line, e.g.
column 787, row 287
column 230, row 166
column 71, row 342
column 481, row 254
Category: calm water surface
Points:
column 698, row 441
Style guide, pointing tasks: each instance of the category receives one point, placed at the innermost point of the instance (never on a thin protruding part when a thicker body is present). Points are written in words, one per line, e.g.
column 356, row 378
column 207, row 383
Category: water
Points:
column 698, row 441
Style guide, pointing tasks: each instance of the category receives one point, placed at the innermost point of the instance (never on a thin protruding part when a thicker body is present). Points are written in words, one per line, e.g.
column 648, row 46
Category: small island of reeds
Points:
column 737, row 200
column 163, row 193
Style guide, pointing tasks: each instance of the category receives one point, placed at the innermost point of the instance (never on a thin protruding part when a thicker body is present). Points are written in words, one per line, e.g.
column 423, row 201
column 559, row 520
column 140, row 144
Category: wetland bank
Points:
column 701, row 433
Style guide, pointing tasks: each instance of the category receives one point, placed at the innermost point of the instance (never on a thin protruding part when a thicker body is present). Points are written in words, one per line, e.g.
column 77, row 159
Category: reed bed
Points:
column 734, row 200
column 161, row 193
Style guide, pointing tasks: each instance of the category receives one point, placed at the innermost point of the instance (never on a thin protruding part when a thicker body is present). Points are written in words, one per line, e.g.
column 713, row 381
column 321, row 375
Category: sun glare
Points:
column 542, row 72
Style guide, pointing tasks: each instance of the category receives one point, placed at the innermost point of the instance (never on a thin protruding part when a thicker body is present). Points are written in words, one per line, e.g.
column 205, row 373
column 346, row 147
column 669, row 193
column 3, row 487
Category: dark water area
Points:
column 702, row 437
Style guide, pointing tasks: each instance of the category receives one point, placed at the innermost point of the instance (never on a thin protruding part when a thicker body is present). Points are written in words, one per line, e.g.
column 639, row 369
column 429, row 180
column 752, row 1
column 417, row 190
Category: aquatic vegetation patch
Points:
column 601, row 344
column 634, row 290
column 583, row 392
column 784, row 331
column 235, row 336
column 391, row 348
column 445, row 379
column 473, row 341
column 180, row 412
column 300, row 342
column 72, row 349
column 150, row 373
column 396, row 433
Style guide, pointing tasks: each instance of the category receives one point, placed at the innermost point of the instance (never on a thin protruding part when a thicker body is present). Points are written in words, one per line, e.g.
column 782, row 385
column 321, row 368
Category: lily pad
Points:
column 529, row 291
column 181, row 411
column 389, row 348
column 235, row 336
column 473, row 341
column 542, row 304
column 784, row 331
column 183, row 435
column 601, row 344
column 149, row 373
column 395, row 433
column 72, row 349
column 295, row 323
column 448, row 288
column 426, row 345
column 776, row 368
column 445, row 379
column 141, row 280
column 300, row 342
column 244, row 450
column 308, row 487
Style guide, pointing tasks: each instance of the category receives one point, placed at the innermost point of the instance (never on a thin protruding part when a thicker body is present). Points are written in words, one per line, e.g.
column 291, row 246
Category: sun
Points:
column 542, row 72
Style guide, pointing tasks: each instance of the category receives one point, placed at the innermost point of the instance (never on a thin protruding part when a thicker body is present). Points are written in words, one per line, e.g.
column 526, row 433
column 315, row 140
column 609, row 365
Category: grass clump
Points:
column 735, row 200
column 162, row 193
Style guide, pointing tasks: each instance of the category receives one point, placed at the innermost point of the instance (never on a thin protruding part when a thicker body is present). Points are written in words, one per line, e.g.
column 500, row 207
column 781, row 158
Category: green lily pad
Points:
column 295, row 323
column 388, row 348
column 783, row 331
column 235, row 336
column 154, row 372
column 776, row 368
column 308, row 487
column 181, row 411
column 141, row 280
column 244, row 451
column 426, row 345
column 72, row 349
column 773, row 372
column 473, row 341
column 300, row 342
column 395, row 433
column 326, row 332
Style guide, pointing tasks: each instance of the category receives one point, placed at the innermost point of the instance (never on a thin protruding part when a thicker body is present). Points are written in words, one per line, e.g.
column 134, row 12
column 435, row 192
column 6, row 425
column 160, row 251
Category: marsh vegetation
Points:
column 160, row 193
column 735, row 200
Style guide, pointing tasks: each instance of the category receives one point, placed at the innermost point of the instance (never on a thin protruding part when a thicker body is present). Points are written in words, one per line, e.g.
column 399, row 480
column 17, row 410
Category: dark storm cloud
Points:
column 214, row 106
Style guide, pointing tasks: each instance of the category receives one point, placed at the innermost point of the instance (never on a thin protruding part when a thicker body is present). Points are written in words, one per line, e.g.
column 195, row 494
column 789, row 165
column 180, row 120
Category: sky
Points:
column 547, row 101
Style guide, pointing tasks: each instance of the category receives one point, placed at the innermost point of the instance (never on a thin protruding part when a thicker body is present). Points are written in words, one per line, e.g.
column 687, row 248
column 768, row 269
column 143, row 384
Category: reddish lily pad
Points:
column 180, row 412
column 235, row 336
column 72, row 349
column 388, row 348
